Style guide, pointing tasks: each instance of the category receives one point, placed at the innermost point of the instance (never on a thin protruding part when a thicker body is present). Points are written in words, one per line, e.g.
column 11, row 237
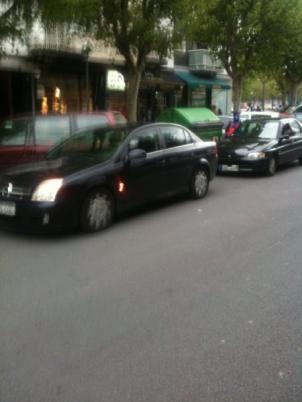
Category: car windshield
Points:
column 95, row 145
column 50, row 130
column 258, row 129
column 13, row 133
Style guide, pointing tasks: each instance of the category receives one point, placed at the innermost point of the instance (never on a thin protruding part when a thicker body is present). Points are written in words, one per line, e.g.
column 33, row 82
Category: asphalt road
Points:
column 188, row 301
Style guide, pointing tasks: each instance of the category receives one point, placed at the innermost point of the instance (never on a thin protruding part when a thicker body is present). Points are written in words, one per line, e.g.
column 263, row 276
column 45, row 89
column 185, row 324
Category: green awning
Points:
column 193, row 81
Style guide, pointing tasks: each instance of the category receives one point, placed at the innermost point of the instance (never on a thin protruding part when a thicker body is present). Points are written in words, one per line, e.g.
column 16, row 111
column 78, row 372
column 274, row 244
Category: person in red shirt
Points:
column 232, row 127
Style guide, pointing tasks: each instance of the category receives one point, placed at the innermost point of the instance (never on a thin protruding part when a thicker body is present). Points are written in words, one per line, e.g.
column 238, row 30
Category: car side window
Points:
column 295, row 128
column 299, row 109
column 13, row 133
column 147, row 140
column 189, row 139
column 173, row 136
column 80, row 143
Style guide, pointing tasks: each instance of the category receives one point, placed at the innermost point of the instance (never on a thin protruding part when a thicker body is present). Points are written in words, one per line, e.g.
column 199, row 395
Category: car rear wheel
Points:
column 271, row 167
column 98, row 211
column 300, row 161
column 199, row 183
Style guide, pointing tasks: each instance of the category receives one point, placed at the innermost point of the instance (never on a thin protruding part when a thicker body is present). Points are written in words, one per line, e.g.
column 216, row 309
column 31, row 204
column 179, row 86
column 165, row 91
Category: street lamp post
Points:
column 86, row 49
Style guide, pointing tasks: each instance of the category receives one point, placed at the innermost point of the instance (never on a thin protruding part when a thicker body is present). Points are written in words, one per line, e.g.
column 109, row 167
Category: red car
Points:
column 27, row 139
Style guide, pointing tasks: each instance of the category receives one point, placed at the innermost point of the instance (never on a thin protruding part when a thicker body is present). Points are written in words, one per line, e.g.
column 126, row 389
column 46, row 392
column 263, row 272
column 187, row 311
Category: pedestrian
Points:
column 233, row 125
column 149, row 114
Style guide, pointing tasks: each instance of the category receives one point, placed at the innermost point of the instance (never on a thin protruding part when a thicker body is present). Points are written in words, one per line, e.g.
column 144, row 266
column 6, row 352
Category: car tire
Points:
column 271, row 166
column 97, row 211
column 300, row 161
column 199, row 183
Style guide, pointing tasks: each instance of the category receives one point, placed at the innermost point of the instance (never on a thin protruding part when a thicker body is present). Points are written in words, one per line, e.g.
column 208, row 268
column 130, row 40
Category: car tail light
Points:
column 121, row 186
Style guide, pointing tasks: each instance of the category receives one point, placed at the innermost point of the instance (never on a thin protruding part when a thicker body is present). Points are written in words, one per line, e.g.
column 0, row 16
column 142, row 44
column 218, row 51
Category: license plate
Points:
column 229, row 168
column 8, row 208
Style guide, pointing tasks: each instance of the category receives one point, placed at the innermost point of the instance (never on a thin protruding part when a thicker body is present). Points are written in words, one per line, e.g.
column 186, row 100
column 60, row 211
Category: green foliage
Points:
column 16, row 17
column 288, row 71
column 253, row 89
column 244, row 34
column 135, row 27
column 248, row 36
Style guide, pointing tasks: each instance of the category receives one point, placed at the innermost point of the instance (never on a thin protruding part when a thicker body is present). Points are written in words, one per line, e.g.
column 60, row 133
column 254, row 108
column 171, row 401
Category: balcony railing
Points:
column 202, row 60
column 60, row 40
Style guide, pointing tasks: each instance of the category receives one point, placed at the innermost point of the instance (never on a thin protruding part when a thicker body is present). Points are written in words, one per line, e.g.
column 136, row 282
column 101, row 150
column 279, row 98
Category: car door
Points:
column 179, row 154
column 143, row 180
column 296, row 140
column 284, row 146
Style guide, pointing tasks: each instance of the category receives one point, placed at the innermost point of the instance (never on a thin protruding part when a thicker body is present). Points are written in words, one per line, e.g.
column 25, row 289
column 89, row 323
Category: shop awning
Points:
column 193, row 81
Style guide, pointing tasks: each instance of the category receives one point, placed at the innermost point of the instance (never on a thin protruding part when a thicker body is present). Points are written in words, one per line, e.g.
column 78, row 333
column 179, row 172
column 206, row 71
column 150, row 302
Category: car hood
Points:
column 242, row 147
column 30, row 174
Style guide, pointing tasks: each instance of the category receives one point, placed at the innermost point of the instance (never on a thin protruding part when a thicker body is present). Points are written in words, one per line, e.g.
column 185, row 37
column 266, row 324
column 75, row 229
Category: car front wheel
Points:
column 97, row 211
column 271, row 167
column 199, row 183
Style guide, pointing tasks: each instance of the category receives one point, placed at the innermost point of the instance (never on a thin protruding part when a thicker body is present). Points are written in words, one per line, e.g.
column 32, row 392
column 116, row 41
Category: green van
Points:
column 201, row 120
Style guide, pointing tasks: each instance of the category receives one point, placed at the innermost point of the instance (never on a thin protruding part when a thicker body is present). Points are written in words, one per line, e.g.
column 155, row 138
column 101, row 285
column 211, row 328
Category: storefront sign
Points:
column 115, row 81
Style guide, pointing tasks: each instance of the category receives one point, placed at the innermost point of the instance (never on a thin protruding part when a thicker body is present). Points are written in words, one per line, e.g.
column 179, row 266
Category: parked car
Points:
column 250, row 115
column 27, row 139
column 201, row 120
column 293, row 111
column 261, row 146
column 89, row 178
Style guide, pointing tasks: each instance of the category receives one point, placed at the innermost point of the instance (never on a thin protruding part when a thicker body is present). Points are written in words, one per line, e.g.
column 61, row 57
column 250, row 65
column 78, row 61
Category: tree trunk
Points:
column 293, row 94
column 284, row 99
column 263, row 95
column 237, row 91
column 132, row 94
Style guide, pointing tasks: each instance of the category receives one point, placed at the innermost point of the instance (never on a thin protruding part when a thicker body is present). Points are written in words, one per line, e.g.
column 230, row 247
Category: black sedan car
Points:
column 92, row 176
column 261, row 145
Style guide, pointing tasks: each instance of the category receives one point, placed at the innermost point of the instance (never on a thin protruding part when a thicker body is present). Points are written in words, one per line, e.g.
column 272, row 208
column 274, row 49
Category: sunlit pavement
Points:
column 187, row 301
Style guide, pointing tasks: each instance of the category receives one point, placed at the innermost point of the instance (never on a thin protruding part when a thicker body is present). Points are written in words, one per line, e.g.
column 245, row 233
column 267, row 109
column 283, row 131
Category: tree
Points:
column 244, row 34
column 288, row 73
column 16, row 17
column 134, row 27
column 260, row 88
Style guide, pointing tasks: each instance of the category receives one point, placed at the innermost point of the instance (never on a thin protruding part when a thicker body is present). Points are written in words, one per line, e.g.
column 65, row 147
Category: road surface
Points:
column 188, row 301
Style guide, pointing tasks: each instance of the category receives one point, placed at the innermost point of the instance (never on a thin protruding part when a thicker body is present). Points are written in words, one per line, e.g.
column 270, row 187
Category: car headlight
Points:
column 256, row 155
column 47, row 190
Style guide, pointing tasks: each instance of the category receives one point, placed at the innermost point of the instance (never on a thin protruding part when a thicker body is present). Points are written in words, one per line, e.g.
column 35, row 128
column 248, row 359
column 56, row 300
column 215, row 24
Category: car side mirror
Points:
column 135, row 157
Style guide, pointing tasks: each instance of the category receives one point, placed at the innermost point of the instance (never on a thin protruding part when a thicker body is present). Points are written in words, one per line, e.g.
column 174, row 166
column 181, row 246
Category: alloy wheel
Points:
column 200, row 184
column 97, row 211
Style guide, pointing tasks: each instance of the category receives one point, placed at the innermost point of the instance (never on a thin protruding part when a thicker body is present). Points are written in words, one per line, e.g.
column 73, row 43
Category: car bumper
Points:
column 258, row 166
column 40, row 216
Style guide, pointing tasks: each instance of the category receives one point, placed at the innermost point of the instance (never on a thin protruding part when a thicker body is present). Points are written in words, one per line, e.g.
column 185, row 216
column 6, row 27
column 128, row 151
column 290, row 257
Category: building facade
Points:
column 55, row 75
